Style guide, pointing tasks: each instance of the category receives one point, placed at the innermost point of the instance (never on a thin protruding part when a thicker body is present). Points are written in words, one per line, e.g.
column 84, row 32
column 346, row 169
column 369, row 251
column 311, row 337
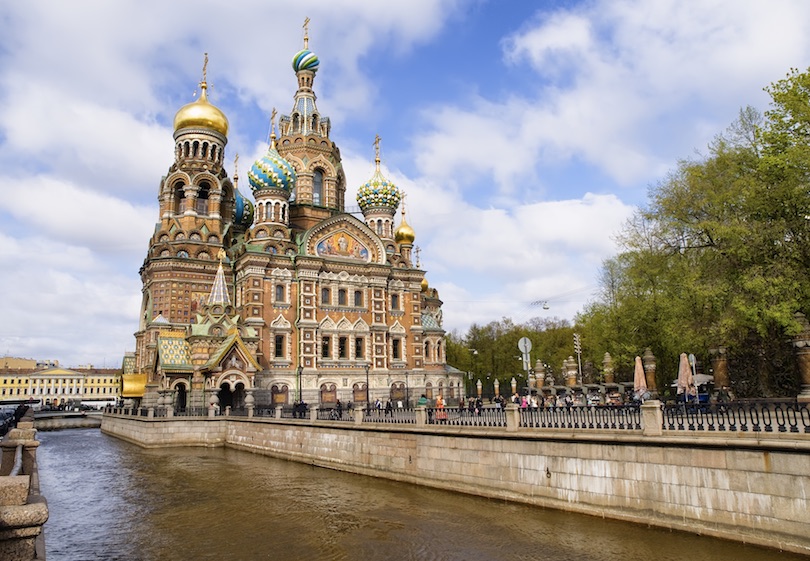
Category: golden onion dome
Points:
column 201, row 113
column 424, row 285
column 404, row 233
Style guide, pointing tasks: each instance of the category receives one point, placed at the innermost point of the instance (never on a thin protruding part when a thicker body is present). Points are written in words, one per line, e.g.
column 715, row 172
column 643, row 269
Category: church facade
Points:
column 288, row 297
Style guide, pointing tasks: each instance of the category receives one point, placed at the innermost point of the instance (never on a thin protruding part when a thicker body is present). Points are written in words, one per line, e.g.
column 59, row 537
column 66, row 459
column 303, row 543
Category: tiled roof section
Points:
column 429, row 322
column 173, row 353
column 128, row 365
column 219, row 292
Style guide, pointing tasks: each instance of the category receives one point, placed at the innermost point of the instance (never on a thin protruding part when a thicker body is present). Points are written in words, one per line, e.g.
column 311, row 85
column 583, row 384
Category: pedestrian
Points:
column 389, row 408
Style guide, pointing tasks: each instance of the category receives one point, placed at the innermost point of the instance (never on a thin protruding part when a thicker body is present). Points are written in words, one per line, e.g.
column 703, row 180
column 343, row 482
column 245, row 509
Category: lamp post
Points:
column 407, row 391
column 300, row 369
column 368, row 403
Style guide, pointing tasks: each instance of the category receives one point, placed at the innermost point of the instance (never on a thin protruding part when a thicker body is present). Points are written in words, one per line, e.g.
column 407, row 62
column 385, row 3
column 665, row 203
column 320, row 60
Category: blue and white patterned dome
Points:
column 378, row 192
column 271, row 171
column 243, row 210
column 305, row 60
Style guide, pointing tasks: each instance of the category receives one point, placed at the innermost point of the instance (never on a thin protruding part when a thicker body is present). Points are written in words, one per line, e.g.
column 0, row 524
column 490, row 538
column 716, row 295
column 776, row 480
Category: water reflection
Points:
column 112, row 501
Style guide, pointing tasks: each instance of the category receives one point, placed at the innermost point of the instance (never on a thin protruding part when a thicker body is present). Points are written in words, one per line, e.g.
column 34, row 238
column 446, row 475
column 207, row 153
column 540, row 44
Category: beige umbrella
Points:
column 639, row 379
column 686, row 381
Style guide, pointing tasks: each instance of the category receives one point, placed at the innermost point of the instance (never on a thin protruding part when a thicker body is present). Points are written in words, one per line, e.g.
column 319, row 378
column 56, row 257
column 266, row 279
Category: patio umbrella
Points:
column 639, row 379
column 686, row 381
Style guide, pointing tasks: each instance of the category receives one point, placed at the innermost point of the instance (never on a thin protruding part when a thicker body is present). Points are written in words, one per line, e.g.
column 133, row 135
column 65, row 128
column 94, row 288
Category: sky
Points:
column 524, row 134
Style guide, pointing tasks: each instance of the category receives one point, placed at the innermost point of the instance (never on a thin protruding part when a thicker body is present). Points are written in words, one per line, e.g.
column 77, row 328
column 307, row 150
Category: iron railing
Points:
column 739, row 416
column 486, row 417
column 397, row 415
column 762, row 416
column 617, row 417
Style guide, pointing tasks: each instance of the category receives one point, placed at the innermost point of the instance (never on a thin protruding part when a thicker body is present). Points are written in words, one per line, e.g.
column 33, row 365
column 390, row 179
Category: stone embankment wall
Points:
column 23, row 511
column 743, row 487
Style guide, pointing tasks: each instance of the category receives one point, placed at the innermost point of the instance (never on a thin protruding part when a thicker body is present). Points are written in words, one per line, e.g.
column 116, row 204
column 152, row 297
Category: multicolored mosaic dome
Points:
column 243, row 210
column 271, row 171
column 378, row 192
column 305, row 60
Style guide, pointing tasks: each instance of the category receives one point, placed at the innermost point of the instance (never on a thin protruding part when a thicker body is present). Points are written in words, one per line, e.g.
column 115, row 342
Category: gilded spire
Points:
column 377, row 151
column 272, row 139
column 236, row 171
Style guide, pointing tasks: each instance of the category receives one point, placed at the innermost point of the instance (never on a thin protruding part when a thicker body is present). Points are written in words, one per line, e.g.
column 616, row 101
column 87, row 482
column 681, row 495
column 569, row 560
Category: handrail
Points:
column 17, row 467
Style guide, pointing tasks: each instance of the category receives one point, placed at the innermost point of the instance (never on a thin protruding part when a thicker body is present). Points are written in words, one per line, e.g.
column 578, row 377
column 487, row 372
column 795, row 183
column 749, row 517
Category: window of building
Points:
column 326, row 296
column 343, row 343
column 280, row 293
column 396, row 349
column 279, row 350
column 358, row 298
column 317, row 187
column 359, row 345
column 395, row 301
column 342, row 297
column 325, row 347
column 427, row 350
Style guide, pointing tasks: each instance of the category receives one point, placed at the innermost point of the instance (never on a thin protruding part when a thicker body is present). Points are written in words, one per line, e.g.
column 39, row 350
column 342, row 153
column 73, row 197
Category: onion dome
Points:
column 305, row 60
column 243, row 210
column 201, row 113
column 378, row 192
column 271, row 171
column 425, row 285
column 404, row 233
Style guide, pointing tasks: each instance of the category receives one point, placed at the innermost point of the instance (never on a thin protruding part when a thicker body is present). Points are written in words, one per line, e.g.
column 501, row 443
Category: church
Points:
column 289, row 297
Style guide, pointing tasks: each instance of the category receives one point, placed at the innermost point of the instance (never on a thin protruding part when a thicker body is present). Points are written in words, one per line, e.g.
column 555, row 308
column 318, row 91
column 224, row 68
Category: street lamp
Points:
column 407, row 391
column 368, row 403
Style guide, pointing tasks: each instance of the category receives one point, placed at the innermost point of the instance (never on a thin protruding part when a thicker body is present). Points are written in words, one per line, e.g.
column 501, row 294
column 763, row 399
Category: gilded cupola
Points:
column 201, row 113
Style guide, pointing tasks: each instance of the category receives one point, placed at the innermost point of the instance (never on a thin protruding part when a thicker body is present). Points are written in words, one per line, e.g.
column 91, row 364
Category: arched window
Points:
column 358, row 299
column 342, row 297
column 179, row 198
column 202, row 198
column 317, row 187
column 427, row 350
column 280, row 293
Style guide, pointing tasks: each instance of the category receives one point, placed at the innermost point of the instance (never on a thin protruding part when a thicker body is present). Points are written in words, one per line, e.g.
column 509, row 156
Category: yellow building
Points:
column 288, row 297
column 60, row 387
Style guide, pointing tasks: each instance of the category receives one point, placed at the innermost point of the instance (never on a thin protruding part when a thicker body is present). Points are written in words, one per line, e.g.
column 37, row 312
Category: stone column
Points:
column 648, row 360
column 570, row 369
column 213, row 402
column 802, row 343
column 540, row 374
column 607, row 368
column 250, row 402
column 497, row 385
column 652, row 418
column 512, row 417
column 513, row 383
column 479, row 388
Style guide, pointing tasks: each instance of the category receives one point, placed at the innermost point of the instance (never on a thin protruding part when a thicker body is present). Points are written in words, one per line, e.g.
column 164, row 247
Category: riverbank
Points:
column 737, row 486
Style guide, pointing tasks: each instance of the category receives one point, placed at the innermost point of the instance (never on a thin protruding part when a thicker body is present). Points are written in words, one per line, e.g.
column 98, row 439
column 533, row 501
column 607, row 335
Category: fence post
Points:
column 652, row 418
column 512, row 417
column 313, row 413
column 359, row 411
column 421, row 416
column 278, row 411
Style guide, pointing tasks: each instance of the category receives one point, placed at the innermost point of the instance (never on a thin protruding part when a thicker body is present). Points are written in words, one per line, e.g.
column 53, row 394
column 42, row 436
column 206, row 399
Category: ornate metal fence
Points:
column 486, row 417
column 741, row 416
column 621, row 417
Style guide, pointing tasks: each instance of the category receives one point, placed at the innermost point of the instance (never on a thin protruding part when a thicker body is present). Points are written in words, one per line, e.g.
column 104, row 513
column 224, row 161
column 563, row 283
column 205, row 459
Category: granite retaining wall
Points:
column 735, row 486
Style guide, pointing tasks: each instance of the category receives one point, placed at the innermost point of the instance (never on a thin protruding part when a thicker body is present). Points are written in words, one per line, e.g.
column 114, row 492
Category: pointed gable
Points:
column 225, row 352
column 344, row 237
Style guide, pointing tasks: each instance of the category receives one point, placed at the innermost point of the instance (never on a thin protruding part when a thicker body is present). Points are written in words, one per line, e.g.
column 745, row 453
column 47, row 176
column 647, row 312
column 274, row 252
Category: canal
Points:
column 113, row 501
